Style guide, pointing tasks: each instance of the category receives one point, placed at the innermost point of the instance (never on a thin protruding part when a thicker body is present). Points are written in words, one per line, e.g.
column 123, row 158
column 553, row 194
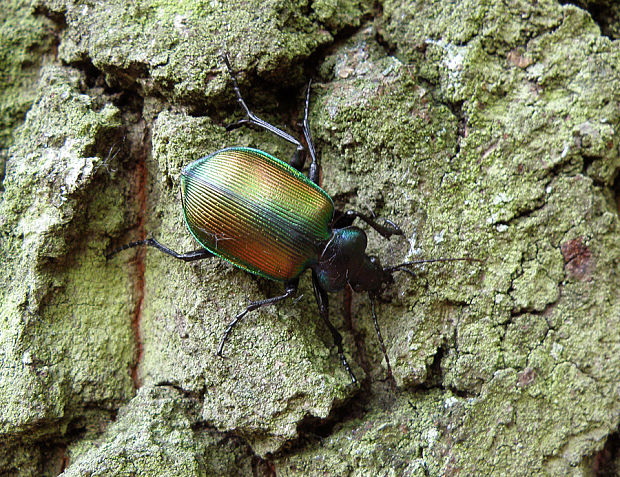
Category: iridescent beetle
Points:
column 264, row 216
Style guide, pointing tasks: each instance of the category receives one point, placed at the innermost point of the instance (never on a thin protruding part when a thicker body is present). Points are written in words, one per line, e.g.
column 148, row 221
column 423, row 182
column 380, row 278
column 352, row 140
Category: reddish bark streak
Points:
column 140, row 186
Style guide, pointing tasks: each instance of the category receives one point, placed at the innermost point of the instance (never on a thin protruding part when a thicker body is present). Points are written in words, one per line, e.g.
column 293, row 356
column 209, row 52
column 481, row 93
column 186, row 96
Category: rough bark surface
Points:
column 483, row 128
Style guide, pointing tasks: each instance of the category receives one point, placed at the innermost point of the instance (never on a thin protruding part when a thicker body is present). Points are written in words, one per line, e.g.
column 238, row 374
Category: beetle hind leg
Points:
column 298, row 157
column 291, row 289
column 192, row 256
column 314, row 173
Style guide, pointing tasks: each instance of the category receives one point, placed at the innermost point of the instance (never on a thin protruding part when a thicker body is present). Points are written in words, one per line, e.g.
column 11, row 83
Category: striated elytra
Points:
column 264, row 216
column 256, row 211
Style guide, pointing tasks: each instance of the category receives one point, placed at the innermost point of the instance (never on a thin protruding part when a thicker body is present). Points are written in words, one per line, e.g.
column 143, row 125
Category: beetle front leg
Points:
column 386, row 230
column 291, row 289
column 323, row 302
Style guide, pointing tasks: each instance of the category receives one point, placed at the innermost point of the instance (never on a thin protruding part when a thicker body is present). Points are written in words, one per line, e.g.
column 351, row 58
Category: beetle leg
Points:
column 314, row 165
column 386, row 230
column 298, row 160
column 323, row 302
column 194, row 255
column 376, row 322
column 295, row 162
column 291, row 289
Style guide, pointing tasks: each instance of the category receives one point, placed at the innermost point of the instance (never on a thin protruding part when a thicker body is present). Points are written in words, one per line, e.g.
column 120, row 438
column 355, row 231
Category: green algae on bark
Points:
column 539, row 112
column 66, row 345
column 173, row 48
column 157, row 434
column 24, row 39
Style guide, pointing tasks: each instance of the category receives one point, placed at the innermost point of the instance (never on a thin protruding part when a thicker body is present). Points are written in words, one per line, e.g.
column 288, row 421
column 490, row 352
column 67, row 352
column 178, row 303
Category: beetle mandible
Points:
column 264, row 216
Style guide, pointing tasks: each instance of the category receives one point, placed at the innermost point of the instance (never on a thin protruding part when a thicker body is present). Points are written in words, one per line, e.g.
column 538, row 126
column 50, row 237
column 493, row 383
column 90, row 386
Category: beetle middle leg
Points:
column 291, row 289
column 298, row 158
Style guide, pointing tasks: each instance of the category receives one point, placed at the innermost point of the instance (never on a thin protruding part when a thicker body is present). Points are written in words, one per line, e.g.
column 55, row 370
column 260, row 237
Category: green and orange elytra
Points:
column 256, row 211
column 264, row 216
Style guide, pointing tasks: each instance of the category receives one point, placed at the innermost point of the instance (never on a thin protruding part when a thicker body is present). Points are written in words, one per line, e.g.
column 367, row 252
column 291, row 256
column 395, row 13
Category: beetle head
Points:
column 343, row 262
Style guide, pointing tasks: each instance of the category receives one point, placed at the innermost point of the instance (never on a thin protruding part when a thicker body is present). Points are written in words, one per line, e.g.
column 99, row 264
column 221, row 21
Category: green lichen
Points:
column 24, row 38
column 186, row 42
column 65, row 346
column 397, row 439
column 533, row 122
column 156, row 434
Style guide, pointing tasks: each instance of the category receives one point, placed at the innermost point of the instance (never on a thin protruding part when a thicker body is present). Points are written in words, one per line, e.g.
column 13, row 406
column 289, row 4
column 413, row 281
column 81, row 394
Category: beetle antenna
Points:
column 402, row 267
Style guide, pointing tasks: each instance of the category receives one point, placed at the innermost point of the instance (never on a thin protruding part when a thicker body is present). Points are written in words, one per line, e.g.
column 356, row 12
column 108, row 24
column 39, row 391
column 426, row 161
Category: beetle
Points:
column 266, row 217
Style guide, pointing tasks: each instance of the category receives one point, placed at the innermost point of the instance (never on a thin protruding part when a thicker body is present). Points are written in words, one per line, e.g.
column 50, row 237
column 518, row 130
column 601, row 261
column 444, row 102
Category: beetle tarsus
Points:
column 124, row 247
column 231, row 325
column 237, row 124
